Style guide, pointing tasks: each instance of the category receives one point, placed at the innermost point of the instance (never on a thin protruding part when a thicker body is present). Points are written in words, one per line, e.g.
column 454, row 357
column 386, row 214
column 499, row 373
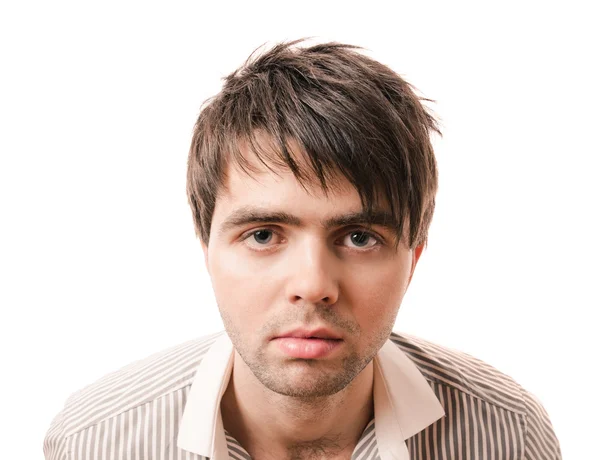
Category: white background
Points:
column 99, row 265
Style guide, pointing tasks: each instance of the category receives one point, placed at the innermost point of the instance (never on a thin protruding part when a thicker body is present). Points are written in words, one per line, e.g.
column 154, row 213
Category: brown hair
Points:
column 348, row 113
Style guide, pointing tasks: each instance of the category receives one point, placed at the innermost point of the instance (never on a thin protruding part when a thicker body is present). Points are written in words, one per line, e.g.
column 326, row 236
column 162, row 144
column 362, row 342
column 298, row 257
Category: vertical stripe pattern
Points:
column 488, row 415
column 134, row 413
column 471, row 429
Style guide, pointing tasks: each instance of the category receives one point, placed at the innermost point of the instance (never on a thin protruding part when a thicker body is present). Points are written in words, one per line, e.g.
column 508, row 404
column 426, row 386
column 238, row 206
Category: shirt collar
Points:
column 404, row 402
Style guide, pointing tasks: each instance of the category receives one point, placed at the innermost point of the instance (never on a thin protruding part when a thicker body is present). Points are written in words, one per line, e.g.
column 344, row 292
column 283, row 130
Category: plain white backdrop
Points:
column 99, row 265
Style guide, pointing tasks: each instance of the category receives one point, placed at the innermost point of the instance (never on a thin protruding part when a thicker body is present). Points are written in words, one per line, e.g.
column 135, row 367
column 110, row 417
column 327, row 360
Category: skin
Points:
column 301, row 274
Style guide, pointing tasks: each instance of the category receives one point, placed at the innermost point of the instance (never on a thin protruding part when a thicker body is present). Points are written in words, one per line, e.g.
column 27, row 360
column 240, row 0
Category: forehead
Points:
column 266, row 176
column 268, row 192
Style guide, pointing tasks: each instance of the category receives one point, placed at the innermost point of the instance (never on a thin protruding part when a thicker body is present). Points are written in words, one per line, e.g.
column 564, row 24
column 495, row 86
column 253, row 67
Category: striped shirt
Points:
column 430, row 402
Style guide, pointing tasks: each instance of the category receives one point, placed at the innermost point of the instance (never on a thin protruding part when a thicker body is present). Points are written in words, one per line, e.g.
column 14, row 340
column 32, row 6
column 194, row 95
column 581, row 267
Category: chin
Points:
column 307, row 391
column 304, row 381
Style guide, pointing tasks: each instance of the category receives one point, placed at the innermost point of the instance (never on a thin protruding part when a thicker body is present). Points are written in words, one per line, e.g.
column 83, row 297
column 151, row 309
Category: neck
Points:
column 271, row 425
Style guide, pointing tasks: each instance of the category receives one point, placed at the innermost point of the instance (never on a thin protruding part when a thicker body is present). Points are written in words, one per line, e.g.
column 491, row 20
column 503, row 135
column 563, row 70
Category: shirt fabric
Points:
column 430, row 402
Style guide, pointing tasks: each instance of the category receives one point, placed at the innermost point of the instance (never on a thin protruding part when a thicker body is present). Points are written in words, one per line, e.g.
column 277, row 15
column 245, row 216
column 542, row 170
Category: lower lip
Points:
column 307, row 348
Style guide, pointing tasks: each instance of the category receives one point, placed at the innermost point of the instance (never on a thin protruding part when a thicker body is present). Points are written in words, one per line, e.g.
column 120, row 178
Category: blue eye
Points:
column 263, row 236
column 361, row 239
column 266, row 239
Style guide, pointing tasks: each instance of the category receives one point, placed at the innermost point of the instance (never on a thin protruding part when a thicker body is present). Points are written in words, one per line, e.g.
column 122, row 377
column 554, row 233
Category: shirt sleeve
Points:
column 541, row 442
column 55, row 442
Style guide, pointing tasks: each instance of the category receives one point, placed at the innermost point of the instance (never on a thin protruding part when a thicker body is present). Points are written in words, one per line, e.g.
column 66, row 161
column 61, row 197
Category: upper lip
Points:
column 304, row 333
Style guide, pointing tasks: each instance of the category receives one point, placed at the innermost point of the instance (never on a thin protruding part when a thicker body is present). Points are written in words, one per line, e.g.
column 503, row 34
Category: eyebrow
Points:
column 254, row 215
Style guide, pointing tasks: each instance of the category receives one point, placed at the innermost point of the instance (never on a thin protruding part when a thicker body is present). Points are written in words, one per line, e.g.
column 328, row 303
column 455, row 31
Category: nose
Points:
column 313, row 275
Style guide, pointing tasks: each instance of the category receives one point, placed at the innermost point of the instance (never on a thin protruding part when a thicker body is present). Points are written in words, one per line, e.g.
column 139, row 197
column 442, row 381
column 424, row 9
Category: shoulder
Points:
column 462, row 372
column 159, row 376
column 486, row 410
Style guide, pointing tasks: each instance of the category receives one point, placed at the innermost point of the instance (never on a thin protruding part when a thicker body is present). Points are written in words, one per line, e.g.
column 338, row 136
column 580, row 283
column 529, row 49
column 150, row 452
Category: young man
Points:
column 312, row 182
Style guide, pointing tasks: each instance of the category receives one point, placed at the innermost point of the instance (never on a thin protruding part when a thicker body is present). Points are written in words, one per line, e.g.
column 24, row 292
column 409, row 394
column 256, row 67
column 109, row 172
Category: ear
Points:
column 205, row 252
column 416, row 255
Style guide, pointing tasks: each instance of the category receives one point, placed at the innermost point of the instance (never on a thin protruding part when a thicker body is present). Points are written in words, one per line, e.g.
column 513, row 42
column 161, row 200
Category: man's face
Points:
column 286, row 264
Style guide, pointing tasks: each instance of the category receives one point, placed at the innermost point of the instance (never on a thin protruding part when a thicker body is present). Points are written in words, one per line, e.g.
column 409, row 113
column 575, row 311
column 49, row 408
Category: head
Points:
column 312, row 182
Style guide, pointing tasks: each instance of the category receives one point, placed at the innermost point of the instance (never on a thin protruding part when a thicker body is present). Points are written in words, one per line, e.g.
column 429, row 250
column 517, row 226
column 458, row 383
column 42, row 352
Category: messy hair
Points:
column 328, row 112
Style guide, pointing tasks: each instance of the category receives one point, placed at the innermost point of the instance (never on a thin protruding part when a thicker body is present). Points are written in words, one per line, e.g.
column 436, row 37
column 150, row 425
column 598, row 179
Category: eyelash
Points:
column 379, row 241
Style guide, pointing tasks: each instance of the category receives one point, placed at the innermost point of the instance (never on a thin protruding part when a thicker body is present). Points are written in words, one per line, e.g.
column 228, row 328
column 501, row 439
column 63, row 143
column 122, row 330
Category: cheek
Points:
column 242, row 292
column 377, row 295
column 377, row 310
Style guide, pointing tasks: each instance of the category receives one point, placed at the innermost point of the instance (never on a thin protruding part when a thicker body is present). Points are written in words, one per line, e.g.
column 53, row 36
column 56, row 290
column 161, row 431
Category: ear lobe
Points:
column 416, row 255
column 205, row 253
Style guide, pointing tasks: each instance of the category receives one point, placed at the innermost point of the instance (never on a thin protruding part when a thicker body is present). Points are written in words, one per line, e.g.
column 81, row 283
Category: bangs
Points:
column 326, row 113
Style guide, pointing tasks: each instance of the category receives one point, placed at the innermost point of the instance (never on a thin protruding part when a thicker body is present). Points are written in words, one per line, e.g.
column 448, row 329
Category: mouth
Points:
column 310, row 344
column 307, row 348
column 309, row 337
column 312, row 334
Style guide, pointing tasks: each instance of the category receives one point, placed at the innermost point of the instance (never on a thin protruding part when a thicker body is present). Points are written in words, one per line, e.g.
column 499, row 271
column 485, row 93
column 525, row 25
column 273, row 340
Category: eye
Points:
column 361, row 239
column 261, row 239
column 262, row 236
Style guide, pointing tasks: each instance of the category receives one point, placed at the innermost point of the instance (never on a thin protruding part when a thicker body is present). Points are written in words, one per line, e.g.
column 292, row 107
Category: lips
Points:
column 302, row 333
column 304, row 343
column 302, row 348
